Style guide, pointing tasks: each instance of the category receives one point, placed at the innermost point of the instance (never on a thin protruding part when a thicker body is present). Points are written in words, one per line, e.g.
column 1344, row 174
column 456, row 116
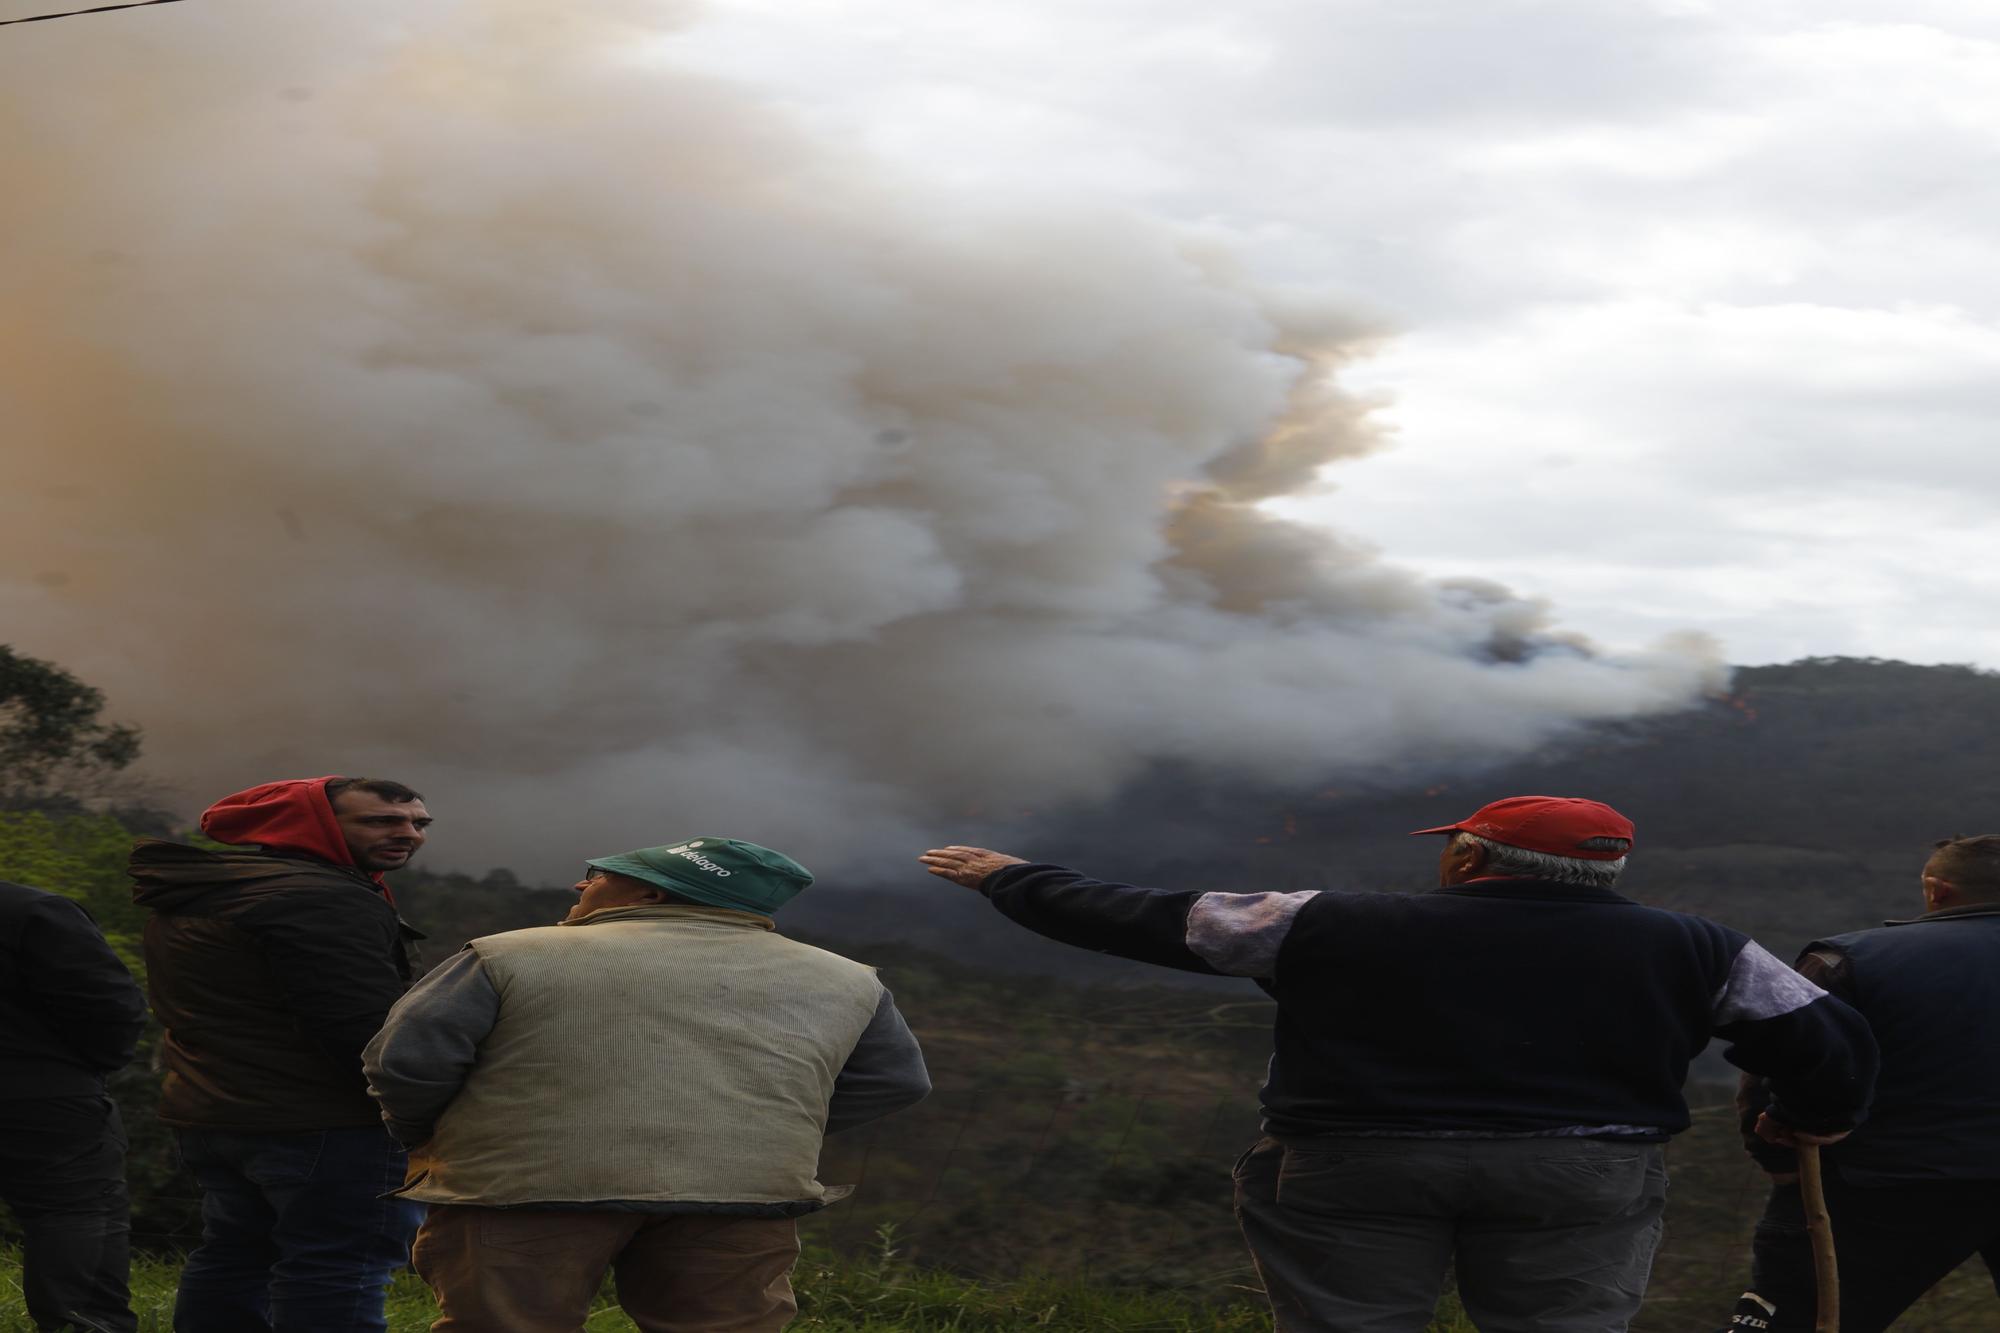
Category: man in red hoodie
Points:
column 271, row 965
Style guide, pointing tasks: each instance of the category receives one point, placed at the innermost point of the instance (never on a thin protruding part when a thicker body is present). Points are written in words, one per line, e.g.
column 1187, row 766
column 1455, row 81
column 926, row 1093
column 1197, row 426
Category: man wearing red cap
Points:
column 1477, row 1077
column 271, row 965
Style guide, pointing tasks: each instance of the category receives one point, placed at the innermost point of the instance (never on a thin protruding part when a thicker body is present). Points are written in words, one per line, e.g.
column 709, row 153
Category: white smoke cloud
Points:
column 440, row 391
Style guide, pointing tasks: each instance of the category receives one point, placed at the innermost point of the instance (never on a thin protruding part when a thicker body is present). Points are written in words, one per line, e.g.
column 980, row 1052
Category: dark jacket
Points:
column 1930, row 989
column 1494, row 1008
column 69, row 1011
column 270, row 974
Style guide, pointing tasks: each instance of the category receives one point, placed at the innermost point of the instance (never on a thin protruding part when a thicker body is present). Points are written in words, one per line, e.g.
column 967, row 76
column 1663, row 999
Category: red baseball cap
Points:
column 1558, row 825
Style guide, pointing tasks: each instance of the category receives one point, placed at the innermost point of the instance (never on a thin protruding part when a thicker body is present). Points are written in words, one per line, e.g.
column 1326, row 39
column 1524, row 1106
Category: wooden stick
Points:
column 1819, row 1226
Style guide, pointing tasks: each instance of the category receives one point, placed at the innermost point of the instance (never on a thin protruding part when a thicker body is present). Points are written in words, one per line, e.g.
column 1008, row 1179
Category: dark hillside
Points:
column 1800, row 804
column 1089, row 1129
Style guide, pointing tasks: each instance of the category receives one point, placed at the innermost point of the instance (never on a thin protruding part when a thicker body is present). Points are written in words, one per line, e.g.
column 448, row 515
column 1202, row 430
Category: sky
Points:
column 834, row 425
column 1688, row 314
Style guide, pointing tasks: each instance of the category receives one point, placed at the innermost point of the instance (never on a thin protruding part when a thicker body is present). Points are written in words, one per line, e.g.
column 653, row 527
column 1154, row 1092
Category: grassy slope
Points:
column 881, row 1294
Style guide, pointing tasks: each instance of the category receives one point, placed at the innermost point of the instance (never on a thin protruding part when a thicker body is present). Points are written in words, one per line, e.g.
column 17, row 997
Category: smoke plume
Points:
column 459, row 393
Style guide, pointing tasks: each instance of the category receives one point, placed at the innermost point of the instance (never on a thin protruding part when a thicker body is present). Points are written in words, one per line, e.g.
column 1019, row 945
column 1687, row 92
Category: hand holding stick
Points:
column 1819, row 1226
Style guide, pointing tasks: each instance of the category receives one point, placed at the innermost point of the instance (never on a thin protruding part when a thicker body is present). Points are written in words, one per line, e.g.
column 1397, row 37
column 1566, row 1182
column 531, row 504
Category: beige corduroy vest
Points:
column 650, row 1053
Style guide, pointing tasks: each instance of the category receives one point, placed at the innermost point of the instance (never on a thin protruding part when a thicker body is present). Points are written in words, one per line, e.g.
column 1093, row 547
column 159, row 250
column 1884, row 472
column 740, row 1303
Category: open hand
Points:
column 1774, row 1131
column 966, row 865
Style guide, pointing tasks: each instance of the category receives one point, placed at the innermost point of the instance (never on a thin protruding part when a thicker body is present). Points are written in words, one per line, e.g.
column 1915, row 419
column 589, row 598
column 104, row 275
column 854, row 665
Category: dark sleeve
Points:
column 333, row 955
column 79, row 986
column 1816, row 1055
column 1826, row 966
column 1222, row 934
column 419, row 1060
column 883, row 1074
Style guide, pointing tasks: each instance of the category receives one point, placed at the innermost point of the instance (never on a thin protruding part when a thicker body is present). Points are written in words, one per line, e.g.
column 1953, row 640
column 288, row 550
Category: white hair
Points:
column 1504, row 860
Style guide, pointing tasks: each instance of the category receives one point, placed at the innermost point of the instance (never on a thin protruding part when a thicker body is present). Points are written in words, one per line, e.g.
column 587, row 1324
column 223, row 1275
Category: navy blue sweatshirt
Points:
column 1499, row 1007
column 1930, row 990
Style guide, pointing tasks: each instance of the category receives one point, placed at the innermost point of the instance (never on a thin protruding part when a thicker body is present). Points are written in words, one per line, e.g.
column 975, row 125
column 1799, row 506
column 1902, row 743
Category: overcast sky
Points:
column 1691, row 317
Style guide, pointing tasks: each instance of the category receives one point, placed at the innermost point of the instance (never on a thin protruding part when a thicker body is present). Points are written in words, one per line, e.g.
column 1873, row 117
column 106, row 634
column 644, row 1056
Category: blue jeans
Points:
column 297, row 1235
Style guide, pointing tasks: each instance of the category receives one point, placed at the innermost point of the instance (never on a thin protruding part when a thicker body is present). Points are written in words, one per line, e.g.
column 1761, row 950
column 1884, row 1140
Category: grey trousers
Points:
column 1353, row 1235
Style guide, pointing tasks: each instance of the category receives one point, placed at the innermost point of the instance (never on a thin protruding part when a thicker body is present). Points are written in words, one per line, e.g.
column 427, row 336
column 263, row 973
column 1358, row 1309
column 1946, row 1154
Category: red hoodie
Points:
column 290, row 816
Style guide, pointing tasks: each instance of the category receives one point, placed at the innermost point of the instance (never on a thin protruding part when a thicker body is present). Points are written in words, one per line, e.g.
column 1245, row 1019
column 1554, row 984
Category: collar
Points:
column 1534, row 890
column 1949, row 914
column 721, row 916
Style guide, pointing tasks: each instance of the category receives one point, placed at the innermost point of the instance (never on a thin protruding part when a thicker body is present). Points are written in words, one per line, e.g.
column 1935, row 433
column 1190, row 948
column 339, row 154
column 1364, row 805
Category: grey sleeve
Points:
column 1816, row 1054
column 1239, row 934
column 883, row 1074
column 1760, row 986
column 418, row 1061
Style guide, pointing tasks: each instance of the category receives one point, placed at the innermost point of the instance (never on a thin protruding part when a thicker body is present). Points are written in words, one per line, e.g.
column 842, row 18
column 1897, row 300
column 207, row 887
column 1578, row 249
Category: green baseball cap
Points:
column 722, row 872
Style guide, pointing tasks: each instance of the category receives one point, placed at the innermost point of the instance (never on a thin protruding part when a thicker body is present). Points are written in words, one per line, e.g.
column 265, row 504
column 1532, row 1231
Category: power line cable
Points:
column 72, row 13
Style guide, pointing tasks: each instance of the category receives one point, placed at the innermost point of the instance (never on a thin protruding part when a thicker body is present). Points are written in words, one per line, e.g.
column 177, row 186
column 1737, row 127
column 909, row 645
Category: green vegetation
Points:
column 881, row 1294
column 83, row 857
column 53, row 745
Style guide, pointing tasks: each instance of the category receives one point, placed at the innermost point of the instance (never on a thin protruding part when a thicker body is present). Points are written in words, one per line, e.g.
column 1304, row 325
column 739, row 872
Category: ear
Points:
column 1939, row 893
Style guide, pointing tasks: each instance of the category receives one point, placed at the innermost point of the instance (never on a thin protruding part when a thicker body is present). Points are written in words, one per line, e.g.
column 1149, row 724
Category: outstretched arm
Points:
column 1224, row 934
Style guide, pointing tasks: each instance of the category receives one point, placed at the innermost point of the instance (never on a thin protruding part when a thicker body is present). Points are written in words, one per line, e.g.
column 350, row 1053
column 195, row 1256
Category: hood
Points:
column 294, row 816
column 174, row 877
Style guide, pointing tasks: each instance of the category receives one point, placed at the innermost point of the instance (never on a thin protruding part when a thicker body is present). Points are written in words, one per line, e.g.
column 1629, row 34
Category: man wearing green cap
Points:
column 642, row 1088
